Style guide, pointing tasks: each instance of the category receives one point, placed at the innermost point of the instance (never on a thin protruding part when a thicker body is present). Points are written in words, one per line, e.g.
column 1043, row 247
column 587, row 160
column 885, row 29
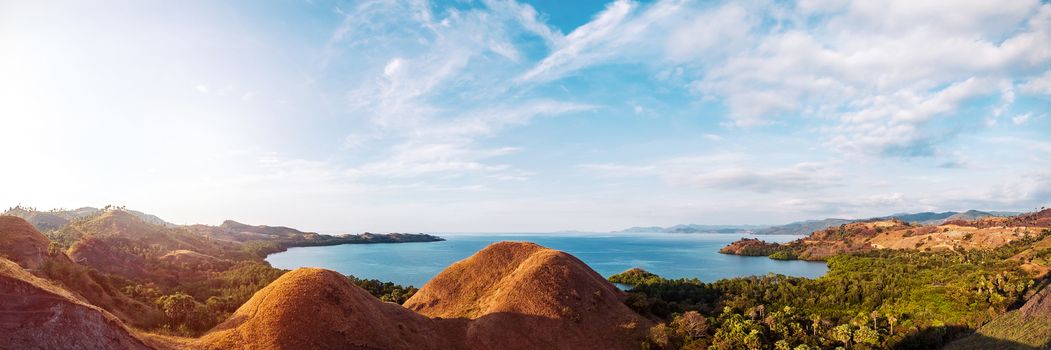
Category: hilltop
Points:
column 510, row 295
column 520, row 295
column 55, row 218
column 55, row 223
column 982, row 233
column 319, row 309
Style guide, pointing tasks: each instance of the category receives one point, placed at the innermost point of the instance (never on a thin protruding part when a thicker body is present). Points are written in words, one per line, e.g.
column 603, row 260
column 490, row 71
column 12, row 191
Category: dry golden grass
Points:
column 522, row 295
column 508, row 296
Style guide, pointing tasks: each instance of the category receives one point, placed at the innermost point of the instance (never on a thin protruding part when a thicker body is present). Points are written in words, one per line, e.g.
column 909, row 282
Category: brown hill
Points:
column 1038, row 305
column 524, row 296
column 852, row 237
column 42, row 220
column 56, row 218
column 36, row 314
column 194, row 261
column 22, row 243
column 320, row 309
column 121, row 243
column 507, row 296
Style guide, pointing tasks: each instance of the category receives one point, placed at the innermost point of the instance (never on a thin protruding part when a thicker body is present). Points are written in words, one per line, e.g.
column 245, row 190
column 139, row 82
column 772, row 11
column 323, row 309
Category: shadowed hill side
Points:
column 37, row 314
column 522, row 296
column 1029, row 327
column 22, row 243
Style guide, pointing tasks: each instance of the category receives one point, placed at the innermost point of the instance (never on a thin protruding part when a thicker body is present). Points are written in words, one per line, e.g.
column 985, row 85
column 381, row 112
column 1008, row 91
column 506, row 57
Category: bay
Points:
column 670, row 255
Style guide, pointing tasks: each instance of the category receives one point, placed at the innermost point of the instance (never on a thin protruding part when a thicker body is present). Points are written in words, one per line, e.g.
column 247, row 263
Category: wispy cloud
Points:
column 449, row 88
column 884, row 72
column 476, row 114
column 799, row 177
column 727, row 172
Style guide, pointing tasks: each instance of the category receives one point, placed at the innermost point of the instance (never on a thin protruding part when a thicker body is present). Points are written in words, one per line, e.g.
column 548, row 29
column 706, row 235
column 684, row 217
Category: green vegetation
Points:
column 877, row 299
column 386, row 291
column 194, row 308
column 785, row 254
column 634, row 277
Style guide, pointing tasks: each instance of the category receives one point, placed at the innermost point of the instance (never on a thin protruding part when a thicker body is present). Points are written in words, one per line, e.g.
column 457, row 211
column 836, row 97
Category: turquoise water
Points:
column 671, row 255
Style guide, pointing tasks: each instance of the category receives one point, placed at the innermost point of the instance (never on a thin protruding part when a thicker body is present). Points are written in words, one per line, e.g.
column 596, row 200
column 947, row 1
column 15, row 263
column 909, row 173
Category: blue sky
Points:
column 525, row 116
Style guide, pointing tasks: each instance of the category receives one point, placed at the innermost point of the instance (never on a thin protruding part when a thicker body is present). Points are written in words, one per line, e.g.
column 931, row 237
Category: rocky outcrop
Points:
column 750, row 247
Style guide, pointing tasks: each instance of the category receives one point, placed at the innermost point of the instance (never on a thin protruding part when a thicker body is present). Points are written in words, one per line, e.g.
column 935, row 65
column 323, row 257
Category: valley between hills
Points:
column 114, row 278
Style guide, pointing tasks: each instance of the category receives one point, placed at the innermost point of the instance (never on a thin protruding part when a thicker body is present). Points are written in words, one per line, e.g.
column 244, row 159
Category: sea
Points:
column 670, row 255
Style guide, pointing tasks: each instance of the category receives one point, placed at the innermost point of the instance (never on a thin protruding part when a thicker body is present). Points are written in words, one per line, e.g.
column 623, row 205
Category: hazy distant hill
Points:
column 692, row 228
column 924, row 218
column 929, row 218
column 802, row 227
column 808, row 226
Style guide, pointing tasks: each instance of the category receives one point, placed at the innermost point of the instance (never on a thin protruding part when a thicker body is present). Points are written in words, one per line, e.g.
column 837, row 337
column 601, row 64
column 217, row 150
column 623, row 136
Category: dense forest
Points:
column 876, row 299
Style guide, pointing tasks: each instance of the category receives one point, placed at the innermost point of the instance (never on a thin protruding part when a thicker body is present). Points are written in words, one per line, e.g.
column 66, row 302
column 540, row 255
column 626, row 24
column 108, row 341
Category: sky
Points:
column 527, row 116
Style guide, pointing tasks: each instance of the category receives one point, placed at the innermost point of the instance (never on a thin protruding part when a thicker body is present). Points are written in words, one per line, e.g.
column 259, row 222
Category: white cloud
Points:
column 446, row 88
column 592, row 40
column 1021, row 118
column 883, row 70
column 714, row 137
column 414, row 159
column 392, row 68
column 1038, row 85
column 799, row 177
column 731, row 174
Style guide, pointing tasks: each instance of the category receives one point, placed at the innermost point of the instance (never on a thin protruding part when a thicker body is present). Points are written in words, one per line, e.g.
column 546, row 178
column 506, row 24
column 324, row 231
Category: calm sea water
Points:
column 669, row 255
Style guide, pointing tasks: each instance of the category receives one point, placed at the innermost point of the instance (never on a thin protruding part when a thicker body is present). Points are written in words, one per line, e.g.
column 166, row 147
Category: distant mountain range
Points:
column 693, row 228
column 808, row 226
